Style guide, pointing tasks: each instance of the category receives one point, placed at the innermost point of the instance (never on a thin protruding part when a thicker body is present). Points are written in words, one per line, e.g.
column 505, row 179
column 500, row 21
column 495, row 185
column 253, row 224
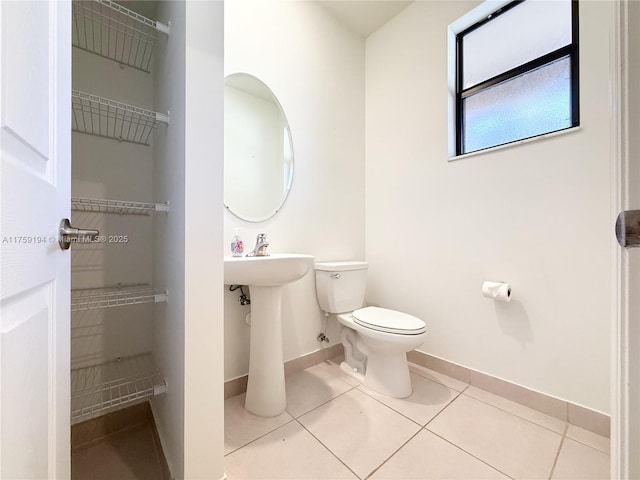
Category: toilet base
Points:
column 352, row 372
column 385, row 371
column 394, row 382
column 378, row 359
column 389, row 374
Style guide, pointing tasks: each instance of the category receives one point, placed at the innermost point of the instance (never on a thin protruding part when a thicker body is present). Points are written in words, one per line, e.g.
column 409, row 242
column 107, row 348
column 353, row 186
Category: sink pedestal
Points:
column 266, row 395
column 265, row 277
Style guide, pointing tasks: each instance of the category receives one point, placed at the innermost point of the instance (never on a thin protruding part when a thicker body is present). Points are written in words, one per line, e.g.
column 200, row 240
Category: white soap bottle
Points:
column 237, row 246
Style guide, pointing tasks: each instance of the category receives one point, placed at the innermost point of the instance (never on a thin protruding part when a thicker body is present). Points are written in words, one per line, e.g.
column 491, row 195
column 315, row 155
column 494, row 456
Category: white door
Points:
column 35, row 172
column 625, row 431
column 633, row 182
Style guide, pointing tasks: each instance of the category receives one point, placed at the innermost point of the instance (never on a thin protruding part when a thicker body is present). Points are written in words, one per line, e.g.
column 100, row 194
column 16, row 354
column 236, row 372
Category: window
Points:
column 516, row 73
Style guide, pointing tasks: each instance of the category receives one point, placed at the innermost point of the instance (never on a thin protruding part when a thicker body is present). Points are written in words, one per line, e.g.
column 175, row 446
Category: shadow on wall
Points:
column 514, row 321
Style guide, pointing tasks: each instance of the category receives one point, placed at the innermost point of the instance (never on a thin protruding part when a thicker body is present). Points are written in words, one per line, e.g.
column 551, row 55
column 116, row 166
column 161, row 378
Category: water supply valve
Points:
column 243, row 299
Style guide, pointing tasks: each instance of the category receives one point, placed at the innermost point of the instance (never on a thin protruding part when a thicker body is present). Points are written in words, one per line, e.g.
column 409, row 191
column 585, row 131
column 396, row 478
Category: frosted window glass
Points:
column 528, row 105
column 524, row 33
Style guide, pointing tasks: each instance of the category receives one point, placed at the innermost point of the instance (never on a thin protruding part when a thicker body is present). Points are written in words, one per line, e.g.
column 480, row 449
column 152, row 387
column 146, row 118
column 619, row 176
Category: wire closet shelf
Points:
column 97, row 298
column 110, row 30
column 96, row 205
column 104, row 117
column 110, row 386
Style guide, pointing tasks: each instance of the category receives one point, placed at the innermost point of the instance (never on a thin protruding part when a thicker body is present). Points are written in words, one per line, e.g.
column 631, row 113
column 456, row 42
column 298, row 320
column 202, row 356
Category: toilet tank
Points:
column 340, row 286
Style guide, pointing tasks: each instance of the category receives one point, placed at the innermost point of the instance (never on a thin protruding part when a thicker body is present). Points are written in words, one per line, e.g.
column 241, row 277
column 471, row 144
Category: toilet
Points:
column 376, row 340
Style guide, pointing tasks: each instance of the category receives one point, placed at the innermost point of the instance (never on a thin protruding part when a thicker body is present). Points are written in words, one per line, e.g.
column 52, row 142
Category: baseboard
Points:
column 235, row 386
column 162, row 458
column 574, row 414
column 95, row 430
column 238, row 385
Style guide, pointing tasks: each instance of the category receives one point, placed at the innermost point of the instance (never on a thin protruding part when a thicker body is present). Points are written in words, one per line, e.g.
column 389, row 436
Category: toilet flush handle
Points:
column 335, row 275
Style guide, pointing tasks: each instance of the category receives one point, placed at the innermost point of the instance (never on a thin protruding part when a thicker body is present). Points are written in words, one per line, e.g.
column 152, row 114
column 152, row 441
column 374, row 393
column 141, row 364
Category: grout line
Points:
column 258, row 438
column 339, row 376
column 456, row 392
column 587, row 445
column 566, row 405
column 393, row 454
column 328, row 449
column 293, row 417
column 375, row 399
column 555, row 460
column 467, row 384
column 323, row 403
column 468, row 453
column 438, row 414
column 457, row 395
column 361, row 390
column 515, row 414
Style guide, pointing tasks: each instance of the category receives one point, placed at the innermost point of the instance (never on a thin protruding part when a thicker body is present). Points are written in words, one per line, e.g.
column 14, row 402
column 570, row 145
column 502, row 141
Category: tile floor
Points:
column 129, row 454
column 335, row 428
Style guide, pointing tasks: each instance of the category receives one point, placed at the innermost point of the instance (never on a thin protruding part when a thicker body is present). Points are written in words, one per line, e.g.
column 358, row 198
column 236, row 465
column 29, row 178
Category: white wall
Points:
column 188, row 172
column 168, row 234
column 316, row 69
column 107, row 169
column 203, row 342
column 535, row 215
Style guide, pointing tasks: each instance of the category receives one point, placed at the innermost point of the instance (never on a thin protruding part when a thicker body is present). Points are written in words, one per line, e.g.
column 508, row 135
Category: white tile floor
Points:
column 335, row 428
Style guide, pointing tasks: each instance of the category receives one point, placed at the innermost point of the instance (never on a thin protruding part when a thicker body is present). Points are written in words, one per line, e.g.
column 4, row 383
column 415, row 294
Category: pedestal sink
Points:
column 265, row 276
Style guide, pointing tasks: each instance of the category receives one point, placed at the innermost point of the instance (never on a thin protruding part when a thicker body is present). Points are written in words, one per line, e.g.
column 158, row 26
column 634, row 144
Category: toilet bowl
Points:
column 376, row 340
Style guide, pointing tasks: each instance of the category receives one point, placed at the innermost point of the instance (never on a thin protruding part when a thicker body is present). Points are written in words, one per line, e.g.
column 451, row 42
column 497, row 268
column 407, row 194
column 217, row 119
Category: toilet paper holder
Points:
column 499, row 291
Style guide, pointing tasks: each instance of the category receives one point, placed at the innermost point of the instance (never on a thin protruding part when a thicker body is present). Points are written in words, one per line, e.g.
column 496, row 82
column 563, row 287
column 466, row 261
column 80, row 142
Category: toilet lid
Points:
column 389, row 321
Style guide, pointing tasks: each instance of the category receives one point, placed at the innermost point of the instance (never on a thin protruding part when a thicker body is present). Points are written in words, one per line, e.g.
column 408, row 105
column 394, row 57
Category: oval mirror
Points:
column 258, row 151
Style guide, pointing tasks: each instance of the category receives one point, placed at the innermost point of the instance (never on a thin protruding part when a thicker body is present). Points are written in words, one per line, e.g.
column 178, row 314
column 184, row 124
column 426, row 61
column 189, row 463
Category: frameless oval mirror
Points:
column 258, row 151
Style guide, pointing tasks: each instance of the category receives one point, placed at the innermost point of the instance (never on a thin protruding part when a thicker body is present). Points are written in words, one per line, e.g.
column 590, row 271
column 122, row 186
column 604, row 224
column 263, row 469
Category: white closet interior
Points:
column 114, row 123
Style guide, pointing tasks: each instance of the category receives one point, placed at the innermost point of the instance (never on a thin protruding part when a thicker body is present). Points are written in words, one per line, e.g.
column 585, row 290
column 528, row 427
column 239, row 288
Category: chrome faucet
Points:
column 260, row 250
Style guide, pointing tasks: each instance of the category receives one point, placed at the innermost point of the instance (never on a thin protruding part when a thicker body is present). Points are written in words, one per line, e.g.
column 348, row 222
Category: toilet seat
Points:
column 388, row 321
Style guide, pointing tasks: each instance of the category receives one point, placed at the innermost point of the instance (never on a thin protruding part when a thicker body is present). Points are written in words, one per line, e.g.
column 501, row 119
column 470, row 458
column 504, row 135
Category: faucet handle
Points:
column 260, row 250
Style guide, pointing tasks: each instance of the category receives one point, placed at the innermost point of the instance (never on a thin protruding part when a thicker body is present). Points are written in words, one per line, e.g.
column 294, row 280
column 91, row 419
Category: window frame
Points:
column 571, row 51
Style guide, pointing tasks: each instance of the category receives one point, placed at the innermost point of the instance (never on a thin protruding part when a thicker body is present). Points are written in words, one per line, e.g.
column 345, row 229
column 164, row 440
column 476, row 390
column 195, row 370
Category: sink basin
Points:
column 273, row 271
column 265, row 276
